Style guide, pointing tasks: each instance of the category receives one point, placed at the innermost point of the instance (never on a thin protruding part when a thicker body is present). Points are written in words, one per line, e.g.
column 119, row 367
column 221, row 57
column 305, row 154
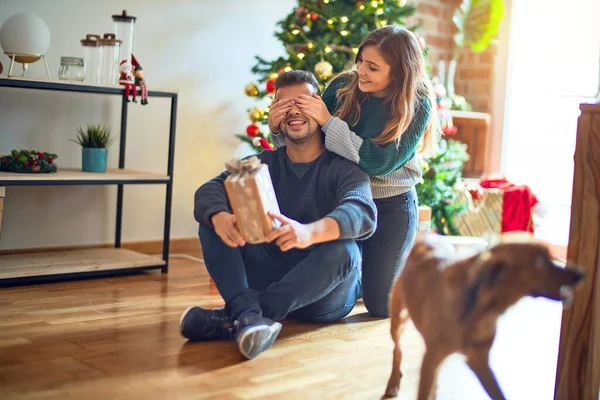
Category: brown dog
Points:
column 455, row 303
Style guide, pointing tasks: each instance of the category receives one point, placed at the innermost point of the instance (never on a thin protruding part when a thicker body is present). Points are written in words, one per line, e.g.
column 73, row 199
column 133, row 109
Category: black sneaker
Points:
column 256, row 334
column 199, row 324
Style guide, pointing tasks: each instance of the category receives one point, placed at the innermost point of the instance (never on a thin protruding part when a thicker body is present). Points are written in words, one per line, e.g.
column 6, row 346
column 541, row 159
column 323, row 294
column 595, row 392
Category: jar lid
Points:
column 124, row 17
column 90, row 40
column 109, row 39
column 71, row 61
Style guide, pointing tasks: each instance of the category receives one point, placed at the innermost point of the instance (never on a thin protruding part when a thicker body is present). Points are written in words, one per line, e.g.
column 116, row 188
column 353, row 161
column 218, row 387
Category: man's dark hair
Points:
column 297, row 77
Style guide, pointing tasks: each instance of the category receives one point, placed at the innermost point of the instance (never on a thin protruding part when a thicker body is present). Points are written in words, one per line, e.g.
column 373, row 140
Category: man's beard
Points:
column 298, row 138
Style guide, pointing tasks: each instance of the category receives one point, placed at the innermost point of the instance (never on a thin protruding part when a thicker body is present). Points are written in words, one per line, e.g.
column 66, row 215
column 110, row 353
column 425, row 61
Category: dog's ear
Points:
column 489, row 276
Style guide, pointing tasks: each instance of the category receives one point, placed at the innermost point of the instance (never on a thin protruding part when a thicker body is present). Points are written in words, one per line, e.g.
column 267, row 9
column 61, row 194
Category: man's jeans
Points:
column 317, row 284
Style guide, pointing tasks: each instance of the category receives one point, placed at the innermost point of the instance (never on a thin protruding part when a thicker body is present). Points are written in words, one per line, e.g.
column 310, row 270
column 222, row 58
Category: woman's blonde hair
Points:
column 409, row 85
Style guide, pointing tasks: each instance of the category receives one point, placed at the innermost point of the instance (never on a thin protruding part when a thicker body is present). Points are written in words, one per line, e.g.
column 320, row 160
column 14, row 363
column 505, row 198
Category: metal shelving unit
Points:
column 32, row 267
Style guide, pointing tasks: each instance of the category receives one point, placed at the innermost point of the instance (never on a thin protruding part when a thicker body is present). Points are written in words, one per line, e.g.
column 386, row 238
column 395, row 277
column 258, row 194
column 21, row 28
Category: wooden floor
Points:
column 117, row 338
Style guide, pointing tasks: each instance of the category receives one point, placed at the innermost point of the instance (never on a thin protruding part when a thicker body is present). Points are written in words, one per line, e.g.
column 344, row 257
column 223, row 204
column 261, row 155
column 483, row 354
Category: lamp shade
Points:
column 25, row 33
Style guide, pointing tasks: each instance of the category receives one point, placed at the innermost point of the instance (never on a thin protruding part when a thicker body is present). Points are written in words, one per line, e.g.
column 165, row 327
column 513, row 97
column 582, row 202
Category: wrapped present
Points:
column 251, row 195
column 483, row 215
column 424, row 226
column 519, row 203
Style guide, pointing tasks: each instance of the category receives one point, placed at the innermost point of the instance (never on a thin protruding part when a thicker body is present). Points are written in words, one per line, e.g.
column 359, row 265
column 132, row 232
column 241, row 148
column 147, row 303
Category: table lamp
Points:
column 25, row 38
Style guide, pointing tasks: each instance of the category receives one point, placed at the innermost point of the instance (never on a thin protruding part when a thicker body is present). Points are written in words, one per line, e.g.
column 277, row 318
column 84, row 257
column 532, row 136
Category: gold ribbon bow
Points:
column 237, row 166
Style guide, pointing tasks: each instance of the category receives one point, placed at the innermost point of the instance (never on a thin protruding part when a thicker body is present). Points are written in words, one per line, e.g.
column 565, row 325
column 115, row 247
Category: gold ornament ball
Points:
column 324, row 70
column 251, row 90
column 255, row 114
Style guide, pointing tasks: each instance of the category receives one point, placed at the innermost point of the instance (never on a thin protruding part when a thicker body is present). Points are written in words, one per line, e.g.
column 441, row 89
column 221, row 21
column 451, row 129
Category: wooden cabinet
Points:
column 578, row 373
column 473, row 129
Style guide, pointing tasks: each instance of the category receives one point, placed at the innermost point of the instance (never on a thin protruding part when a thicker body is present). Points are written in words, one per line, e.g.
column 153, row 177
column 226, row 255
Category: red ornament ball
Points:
column 314, row 16
column 271, row 85
column 252, row 130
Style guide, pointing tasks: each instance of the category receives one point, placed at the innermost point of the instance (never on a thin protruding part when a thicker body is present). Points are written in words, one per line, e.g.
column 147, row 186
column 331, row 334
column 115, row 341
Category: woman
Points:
column 379, row 115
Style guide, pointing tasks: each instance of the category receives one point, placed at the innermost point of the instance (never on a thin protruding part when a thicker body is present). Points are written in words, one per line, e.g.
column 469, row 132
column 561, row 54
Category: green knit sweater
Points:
column 373, row 158
column 393, row 169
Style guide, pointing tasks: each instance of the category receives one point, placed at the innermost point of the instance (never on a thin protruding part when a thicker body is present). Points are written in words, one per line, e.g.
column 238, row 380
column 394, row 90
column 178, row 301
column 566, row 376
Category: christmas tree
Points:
column 321, row 36
column 436, row 190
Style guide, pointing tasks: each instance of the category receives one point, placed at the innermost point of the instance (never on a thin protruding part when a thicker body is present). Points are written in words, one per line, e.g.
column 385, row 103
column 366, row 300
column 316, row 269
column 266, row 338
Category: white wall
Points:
column 203, row 48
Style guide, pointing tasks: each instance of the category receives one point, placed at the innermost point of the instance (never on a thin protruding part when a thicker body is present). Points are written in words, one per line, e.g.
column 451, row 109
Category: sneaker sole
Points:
column 255, row 340
column 187, row 310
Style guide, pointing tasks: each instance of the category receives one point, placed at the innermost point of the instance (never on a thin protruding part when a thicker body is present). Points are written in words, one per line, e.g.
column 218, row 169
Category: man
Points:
column 309, row 267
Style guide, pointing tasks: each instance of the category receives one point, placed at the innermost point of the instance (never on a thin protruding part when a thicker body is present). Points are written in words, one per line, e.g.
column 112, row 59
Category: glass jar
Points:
column 109, row 74
column 71, row 69
column 92, row 58
column 124, row 27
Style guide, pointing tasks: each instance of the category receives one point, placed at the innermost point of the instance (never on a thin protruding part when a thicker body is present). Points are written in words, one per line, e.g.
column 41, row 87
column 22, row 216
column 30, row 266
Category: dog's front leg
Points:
column 478, row 361
column 429, row 369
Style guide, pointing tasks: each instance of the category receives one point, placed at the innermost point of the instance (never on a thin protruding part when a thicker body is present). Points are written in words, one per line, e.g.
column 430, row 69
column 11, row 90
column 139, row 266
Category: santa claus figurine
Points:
column 127, row 79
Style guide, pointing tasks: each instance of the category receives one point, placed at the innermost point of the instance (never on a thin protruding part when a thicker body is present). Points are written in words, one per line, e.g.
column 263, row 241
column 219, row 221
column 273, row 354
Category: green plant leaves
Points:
column 94, row 136
column 478, row 22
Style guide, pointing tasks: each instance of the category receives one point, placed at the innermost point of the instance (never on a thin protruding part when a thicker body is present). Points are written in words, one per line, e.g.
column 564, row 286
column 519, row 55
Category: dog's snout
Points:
column 575, row 274
column 578, row 275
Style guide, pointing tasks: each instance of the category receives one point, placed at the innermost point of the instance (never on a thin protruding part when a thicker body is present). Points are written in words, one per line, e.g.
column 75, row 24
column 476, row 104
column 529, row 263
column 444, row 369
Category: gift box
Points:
column 519, row 203
column 483, row 215
column 251, row 195
column 424, row 226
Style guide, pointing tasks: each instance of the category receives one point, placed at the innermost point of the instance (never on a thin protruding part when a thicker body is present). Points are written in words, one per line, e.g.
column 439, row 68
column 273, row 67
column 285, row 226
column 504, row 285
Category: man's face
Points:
column 297, row 127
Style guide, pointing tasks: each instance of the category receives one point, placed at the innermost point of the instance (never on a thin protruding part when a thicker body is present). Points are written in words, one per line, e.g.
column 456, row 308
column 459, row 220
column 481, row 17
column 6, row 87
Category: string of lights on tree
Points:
column 321, row 36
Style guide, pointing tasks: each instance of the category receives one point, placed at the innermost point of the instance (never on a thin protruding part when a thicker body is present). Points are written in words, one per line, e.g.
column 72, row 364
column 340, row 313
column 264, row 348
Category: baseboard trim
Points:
column 189, row 246
column 182, row 245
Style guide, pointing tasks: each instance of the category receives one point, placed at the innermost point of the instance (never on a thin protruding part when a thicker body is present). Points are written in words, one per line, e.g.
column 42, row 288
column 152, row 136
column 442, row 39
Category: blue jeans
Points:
column 317, row 284
column 397, row 219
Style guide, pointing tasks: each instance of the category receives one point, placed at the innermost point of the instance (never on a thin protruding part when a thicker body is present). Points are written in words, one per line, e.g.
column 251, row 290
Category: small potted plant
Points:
column 94, row 141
